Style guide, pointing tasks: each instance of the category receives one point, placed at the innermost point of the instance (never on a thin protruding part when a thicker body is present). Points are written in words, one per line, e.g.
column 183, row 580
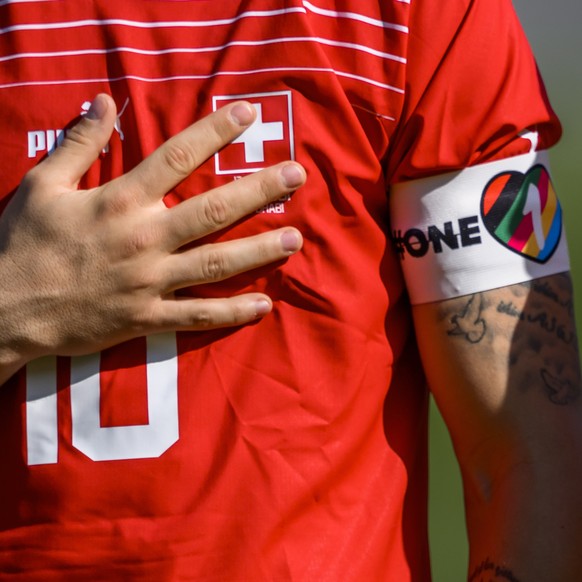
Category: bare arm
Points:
column 84, row 270
column 503, row 367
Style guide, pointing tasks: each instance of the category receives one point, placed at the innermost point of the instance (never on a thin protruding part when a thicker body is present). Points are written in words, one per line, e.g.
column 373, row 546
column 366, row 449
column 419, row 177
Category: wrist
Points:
column 16, row 348
column 10, row 362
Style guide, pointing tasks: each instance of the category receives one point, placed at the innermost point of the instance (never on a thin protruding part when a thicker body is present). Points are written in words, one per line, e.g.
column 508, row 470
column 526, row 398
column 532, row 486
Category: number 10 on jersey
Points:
column 88, row 436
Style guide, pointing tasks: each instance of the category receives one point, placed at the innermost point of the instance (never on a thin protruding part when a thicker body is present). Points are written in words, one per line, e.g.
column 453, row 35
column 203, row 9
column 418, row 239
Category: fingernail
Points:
column 243, row 114
column 291, row 241
column 292, row 175
column 262, row 307
column 98, row 108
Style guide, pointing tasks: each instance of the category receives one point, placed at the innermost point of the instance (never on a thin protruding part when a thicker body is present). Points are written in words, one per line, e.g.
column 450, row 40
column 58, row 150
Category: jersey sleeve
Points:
column 472, row 90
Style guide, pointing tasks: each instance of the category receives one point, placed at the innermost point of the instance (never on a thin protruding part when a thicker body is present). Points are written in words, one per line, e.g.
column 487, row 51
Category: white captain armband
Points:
column 481, row 228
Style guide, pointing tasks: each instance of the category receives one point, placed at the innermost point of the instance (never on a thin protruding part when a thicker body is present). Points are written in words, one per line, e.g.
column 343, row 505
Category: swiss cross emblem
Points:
column 269, row 140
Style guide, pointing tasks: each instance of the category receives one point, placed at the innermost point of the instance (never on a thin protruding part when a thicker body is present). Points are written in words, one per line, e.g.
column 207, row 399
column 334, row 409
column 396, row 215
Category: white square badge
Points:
column 269, row 140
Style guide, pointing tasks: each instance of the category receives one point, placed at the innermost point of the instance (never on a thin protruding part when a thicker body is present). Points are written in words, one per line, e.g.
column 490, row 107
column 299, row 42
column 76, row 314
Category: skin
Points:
column 84, row 270
column 504, row 369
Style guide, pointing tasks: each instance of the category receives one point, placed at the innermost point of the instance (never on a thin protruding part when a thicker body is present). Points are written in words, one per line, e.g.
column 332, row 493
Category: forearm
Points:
column 527, row 528
column 524, row 511
column 503, row 366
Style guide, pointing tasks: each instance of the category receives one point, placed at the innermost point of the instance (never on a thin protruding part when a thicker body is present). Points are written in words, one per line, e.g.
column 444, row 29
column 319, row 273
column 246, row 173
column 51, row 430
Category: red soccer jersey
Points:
column 293, row 448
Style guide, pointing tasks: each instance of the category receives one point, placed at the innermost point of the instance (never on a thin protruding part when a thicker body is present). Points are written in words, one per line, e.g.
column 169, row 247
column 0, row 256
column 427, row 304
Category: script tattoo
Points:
column 541, row 343
column 548, row 301
column 488, row 571
column 469, row 323
column 544, row 288
column 542, row 320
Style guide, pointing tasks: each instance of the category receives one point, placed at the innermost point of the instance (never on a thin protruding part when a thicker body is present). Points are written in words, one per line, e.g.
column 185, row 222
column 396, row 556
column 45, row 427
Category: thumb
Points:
column 82, row 144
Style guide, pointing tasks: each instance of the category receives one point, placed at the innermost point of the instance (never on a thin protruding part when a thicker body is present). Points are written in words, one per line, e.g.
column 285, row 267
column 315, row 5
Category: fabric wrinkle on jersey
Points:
column 293, row 448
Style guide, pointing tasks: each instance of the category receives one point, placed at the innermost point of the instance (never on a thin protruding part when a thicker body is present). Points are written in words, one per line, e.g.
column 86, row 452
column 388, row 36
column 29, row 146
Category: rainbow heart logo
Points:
column 522, row 212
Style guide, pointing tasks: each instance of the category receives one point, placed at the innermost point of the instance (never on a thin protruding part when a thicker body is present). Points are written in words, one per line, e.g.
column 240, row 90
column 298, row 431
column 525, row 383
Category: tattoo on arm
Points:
column 469, row 323
column 544, row 288
column 541, row 319
column 541, row 336
column 488, row 571
column 559, row 391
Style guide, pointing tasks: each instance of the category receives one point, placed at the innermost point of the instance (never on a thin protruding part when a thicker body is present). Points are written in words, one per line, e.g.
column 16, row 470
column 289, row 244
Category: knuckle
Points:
column 214, row 266
column 78, row 136
column 135, row 244
column 133, row 276
column 179, row 158
column 147, row 280
column 140, row 285
column 201, row 319
column 238, row 314
column 267, row 190
column 144, row 319
column 224, row 129
column 264, row 252
column 214, row 213
column 113, row 203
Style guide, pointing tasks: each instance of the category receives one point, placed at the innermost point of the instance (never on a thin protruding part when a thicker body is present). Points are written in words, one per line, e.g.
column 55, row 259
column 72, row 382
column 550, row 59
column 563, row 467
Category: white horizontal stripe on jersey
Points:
column 202, row 23
column 5, row 2
column 354, row 16
column 203, row 77
column 148, row 25
column 193, row 50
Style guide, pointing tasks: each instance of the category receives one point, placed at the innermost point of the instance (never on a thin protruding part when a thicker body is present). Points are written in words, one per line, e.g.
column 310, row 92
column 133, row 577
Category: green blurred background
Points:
column 553, row 29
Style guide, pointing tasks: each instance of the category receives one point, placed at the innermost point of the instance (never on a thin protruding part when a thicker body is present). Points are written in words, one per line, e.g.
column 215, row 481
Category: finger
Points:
column 82, row 144
column 218, row 208
column 216, row 262
column 204, row 314
column 177, row 158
